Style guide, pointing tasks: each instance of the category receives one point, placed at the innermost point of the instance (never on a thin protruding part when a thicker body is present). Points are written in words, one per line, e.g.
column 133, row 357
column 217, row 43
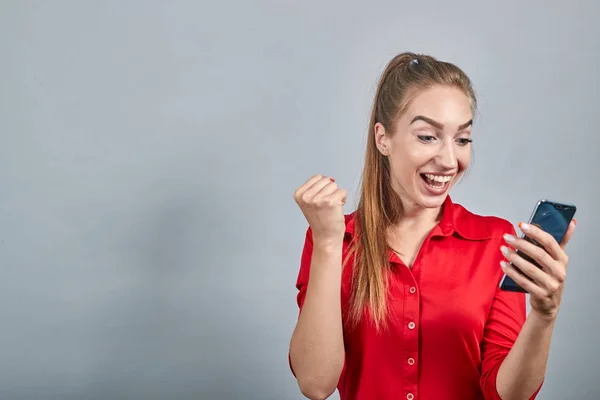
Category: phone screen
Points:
column 551, row 217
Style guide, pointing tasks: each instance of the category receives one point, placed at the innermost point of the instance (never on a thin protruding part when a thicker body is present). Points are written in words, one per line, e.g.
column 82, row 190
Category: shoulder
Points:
column 350, row 218
column 492, row 224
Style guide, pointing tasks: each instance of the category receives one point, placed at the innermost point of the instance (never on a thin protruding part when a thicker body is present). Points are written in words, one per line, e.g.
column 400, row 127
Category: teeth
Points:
column 438, row 178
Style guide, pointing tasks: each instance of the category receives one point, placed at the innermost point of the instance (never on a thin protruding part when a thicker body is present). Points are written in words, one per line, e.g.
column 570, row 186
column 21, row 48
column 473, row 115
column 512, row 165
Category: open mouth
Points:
column 437, row 182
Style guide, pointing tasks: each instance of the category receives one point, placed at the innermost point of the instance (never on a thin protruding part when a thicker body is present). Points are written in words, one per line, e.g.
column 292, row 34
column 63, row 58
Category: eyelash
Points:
column 462, row 141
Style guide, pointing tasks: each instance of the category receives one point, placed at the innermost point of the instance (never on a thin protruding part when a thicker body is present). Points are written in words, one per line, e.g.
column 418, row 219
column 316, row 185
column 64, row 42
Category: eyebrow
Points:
column 439, row 125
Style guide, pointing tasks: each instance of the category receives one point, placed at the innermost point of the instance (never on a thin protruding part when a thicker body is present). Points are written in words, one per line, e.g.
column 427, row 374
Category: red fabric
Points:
column 464, row 326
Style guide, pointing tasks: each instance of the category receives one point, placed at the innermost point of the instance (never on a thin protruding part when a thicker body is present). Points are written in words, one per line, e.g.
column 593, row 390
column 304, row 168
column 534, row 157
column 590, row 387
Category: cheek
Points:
column 464, row 159
column 405, row 164
column 416, row 157
column 402, row 169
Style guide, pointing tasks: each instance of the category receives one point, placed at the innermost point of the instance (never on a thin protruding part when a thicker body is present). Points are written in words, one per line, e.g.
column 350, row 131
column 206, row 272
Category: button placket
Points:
column 411, row 320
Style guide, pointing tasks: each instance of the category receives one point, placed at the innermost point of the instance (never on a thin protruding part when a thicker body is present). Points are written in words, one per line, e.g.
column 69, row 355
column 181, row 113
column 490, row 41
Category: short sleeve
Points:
column 506, row 318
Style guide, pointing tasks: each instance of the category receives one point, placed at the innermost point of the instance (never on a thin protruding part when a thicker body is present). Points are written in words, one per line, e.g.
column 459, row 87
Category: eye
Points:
column 426, row 138
column 464, row 141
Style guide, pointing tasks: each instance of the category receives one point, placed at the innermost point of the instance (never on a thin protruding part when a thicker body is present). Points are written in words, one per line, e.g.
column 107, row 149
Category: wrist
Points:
column 327, row 245
column 543, row 318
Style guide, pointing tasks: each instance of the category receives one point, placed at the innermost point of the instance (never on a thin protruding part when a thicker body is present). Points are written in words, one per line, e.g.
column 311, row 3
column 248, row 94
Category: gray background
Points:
column 149, row 241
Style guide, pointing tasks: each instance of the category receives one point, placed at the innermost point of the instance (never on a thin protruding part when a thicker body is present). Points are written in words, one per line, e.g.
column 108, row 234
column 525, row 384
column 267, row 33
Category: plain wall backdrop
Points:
column 149, row 151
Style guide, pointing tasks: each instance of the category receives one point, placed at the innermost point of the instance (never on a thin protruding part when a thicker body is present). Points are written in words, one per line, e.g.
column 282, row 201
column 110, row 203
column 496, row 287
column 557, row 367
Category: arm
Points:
column 522, row 372
column 317, row 344
column 506, row 338
column 507, row 341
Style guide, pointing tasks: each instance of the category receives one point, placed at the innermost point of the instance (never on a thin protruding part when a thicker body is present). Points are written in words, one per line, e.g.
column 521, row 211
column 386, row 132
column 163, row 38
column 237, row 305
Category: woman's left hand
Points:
column 546, row 284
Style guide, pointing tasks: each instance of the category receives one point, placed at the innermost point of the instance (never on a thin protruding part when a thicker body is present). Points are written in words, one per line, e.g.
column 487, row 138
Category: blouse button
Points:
column 410, row 396
column 412, row 289
column 411, row 361
column 411, row 325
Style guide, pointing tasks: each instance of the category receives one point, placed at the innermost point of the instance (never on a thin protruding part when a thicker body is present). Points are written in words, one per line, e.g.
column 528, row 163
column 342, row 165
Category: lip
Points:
column 434, row 191
column 437, row 174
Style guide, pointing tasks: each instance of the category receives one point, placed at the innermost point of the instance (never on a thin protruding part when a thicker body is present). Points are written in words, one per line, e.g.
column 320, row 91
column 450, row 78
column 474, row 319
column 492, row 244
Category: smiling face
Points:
column 430, row 148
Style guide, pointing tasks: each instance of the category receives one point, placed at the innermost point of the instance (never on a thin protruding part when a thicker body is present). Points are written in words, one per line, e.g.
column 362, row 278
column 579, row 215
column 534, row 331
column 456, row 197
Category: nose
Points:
column 447, row 156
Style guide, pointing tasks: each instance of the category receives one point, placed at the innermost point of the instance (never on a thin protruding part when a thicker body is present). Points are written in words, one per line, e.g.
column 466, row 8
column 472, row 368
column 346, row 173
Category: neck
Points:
column 418, row 218
column 407, row 235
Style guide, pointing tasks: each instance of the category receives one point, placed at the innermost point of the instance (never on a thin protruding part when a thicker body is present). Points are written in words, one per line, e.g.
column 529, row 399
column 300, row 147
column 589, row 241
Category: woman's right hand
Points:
column 322, row 204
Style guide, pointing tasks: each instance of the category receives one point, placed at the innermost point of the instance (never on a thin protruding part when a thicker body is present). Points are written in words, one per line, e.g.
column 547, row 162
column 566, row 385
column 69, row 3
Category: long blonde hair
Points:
column 379, row 206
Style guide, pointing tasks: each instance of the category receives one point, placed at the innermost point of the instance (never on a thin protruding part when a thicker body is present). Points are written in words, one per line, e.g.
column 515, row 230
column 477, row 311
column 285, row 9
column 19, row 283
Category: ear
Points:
column 382, row 139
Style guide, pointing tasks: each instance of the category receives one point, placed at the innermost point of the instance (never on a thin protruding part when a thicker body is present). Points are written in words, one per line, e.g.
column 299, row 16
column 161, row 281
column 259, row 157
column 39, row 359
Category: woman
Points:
column 400, row 299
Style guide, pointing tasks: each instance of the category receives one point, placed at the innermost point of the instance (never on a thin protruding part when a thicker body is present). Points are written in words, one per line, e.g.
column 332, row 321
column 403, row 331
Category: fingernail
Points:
column 504, row 250
column 504, row 265
column 332, row 180
column 574, row 221
column 509, row 238
column 523, row 226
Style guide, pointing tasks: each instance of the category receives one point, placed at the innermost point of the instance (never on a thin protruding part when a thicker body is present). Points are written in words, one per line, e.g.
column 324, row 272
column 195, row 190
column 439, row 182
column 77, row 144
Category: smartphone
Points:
column 550, row 216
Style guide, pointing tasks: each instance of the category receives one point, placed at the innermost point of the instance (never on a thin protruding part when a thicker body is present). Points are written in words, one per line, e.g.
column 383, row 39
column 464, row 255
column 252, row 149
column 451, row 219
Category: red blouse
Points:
column 452, row 326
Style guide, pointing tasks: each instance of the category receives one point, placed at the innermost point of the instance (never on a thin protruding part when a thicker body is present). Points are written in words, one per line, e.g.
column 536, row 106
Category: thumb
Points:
column 339, row 196
column 569, row 233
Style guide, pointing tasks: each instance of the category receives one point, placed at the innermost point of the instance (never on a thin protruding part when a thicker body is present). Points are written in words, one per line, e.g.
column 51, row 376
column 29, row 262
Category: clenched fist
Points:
column 322, row 204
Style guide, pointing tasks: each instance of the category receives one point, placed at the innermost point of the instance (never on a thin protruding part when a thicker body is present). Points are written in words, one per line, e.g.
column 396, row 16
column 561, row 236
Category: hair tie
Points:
column 414, row 61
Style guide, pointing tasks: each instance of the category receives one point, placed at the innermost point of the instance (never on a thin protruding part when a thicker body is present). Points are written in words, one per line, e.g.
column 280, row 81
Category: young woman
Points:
column 400, row 299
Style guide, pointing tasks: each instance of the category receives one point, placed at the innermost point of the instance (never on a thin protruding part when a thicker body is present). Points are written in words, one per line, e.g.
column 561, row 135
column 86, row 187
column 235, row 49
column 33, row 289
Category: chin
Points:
column 432, row 202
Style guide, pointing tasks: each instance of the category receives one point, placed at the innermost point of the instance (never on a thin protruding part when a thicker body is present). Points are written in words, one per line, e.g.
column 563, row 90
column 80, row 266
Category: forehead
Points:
column 447, row 105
